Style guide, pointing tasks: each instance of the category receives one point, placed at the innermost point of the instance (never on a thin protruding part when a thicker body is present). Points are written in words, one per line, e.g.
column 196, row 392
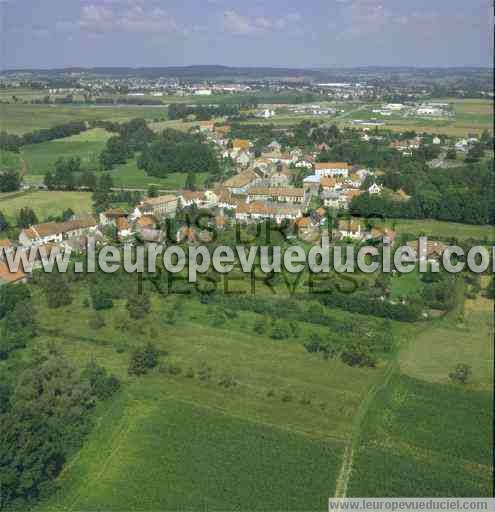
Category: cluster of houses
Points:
column 263, row 185
column 261, row 189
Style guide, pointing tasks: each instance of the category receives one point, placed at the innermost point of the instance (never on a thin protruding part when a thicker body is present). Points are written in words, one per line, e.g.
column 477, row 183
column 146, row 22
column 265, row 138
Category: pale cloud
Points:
column 236, row 23
column 132, row 19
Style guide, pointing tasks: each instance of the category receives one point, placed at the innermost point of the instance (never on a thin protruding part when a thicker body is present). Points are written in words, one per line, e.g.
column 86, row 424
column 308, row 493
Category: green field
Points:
column 37, row 159
column 128, row 175
column 468, row 340
column 277, row 436
column 41, row 158
column 187, row 442
column 25, row 118
column 436, row 435
column 406, row 285
column 471, row 117
column 437, row 228
column 158, row 453
column 45, row 204
column 424, row 439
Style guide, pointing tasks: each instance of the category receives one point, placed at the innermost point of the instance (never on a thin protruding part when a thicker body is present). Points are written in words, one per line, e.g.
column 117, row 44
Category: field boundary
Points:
column 348, row 459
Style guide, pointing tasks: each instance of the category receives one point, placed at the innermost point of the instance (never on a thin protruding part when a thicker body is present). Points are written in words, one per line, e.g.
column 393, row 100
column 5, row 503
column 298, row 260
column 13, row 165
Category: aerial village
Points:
column 261, row 189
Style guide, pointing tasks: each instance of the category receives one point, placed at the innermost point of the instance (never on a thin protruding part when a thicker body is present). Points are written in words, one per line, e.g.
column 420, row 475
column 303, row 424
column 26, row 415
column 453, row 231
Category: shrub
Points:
column 138, row 306
column 102, row 384
column 101, row 298
column 305, row 400
column 287, row 396
column 358, row 354
column 461, row 373
column 261, row 325
column 227, row 381
column 96, row 322
column 143, row 359
column 280, row 330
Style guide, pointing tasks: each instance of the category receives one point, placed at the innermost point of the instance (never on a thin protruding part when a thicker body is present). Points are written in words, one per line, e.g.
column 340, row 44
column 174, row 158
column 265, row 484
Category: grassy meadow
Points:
column 465, row 339
column 425, row 439
column 128, row 175
column 45, row 204
column 41, row 158
column 183, row 439
column 436, row 435
column 438, row 228
column 20, row 119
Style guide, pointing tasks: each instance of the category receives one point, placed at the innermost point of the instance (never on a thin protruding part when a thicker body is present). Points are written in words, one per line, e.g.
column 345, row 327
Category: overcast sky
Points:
column 303, row 33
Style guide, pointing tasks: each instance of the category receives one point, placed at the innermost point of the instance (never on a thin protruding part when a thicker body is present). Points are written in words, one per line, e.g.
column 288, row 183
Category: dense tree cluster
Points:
column 178, row 152
column 131, row 137
column 44, row 416
column 462, row 194
column 69, row 174
column 27, row 217
column 17, row 318
column 10, row 181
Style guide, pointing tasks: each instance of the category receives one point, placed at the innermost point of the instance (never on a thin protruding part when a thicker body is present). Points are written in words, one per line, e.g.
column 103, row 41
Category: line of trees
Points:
column 11, row 142
column 201, row 112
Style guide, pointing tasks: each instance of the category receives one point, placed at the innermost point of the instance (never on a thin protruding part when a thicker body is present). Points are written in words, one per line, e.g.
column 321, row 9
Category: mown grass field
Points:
column 128, row 175
column 25, row 118
column 45, row 204
column 435, row 228
column 41, row 158
column 466, row 339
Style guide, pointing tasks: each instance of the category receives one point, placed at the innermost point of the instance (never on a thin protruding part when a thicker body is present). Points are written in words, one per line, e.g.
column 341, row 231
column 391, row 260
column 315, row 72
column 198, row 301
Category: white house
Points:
column 207, row 199
column 304, row 163
column 350, row 229
column 332, row 169
column 375, row 189
column 243, row 159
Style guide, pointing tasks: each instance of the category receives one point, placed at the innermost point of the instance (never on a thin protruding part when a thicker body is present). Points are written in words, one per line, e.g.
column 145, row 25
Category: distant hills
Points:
column 256, row 73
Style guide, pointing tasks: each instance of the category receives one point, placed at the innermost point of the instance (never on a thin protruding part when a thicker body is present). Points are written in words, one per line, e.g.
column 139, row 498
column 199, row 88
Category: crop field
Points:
column 159, row 453
column 424, row 439
column 41, row 158
column 25, row 118
column 184, row 439
column 45, row 204
column 436, row 435
column 180, row 438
